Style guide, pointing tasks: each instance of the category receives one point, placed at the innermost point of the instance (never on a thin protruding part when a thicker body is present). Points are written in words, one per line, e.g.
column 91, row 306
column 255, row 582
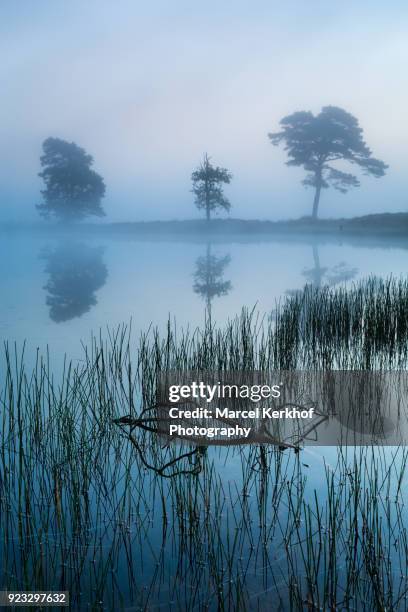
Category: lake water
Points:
column 55, row 291
column 82, row 510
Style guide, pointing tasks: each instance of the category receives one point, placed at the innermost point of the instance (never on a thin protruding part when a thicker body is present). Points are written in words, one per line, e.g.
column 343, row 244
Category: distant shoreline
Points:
column 383, row 225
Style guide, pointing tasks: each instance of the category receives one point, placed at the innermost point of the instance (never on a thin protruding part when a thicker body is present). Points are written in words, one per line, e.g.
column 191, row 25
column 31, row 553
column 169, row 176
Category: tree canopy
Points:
column 316, row 142
column 73, row 190
column 208, row 183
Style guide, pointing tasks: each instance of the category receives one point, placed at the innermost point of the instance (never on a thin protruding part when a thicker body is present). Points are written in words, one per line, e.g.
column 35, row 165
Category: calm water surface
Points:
column 55, row 291
column 133, row 540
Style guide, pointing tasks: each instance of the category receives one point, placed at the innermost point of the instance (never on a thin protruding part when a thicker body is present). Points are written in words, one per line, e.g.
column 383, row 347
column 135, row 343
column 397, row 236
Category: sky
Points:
column 148, row 87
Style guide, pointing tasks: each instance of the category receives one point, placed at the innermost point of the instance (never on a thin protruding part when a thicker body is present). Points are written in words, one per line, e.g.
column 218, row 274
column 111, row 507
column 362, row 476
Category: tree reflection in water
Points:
column 319, row 276
column 76, row 271
column 208, row 281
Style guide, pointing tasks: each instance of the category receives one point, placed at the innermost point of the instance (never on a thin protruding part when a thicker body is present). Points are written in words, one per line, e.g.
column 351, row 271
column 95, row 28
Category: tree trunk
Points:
column 316, row 199
column 207, row 200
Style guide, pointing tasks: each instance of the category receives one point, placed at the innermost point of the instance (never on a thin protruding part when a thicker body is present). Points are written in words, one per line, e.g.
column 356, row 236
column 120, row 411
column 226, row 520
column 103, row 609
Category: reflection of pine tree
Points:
column 208, row 281
column 319, row 276
column 315, row 275
column 75, row 271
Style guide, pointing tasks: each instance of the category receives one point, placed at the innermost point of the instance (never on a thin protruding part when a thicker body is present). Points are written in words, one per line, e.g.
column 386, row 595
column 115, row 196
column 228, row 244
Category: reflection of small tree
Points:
column 76, row 272
column 208, row 277
column 207, row 187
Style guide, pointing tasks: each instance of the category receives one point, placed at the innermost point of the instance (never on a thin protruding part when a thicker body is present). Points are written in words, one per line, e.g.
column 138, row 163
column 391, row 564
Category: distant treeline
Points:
column 74, row 191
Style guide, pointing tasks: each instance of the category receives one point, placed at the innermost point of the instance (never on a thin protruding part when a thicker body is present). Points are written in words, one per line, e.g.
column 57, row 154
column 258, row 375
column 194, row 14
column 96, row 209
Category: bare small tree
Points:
column 208, row 183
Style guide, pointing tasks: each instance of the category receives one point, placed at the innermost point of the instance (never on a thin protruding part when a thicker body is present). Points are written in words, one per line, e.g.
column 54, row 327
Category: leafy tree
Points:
column 315, row 142
column 72, row 189
column 207, row 187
